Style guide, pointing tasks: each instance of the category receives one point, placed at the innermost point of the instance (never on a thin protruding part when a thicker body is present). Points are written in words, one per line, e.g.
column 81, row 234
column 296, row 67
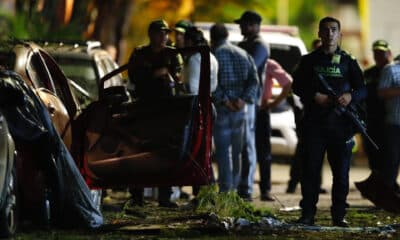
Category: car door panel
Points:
column 144, row 143
column 40, row 74
column 158, row 142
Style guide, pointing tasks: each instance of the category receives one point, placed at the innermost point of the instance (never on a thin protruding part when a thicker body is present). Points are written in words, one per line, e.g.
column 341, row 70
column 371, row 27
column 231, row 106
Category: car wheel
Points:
column 9, row 213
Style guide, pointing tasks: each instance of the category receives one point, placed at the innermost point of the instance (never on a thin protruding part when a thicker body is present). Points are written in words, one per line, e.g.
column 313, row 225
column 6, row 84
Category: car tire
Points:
column 9, row 212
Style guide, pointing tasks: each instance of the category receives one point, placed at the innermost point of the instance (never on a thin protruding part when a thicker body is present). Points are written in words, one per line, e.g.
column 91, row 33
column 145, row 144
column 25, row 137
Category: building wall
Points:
column 351, row 31
column 385, row 23
column 382, row 22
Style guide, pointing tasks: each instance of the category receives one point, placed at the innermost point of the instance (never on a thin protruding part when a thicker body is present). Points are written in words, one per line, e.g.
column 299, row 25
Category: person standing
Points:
column 389, row 90
column 257, row 145
column 296, row 163
column 274, row 71
column 154, row 70
column 194, row 37
column 191, row 72
column 180, row 28
column 375, row 107
column 324, row 130
column 179, row 32
column 237, row 87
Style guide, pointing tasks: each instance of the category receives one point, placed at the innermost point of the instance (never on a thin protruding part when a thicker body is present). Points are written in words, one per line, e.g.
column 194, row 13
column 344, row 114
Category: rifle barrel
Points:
column 349, row 111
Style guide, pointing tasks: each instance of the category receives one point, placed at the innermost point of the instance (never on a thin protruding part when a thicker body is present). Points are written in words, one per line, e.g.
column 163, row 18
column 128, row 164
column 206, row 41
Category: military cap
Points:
column 381, row 45
column 159, row 25
column 182, row 26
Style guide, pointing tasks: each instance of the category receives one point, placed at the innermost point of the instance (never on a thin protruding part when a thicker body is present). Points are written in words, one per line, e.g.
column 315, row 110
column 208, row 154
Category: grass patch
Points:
column 186, row 222
column 228, row 204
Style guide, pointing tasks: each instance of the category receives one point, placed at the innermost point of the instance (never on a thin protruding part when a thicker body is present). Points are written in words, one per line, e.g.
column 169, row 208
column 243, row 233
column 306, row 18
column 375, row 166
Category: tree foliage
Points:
column 302, row 13
column 125, row 21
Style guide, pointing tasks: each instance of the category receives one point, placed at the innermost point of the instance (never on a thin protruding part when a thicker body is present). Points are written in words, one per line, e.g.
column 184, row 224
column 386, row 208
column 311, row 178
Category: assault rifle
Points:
column 349, row 111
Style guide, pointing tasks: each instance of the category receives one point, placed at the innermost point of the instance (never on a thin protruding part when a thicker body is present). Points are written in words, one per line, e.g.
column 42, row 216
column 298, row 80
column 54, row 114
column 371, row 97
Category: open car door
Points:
column 147, row 143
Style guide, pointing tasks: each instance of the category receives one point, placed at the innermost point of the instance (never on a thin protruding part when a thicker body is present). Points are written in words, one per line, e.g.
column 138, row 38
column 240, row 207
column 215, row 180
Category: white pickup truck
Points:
column 286, row 48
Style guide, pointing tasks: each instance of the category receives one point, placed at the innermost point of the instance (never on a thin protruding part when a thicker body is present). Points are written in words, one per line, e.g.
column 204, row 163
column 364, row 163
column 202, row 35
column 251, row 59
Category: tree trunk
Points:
column 112, row 22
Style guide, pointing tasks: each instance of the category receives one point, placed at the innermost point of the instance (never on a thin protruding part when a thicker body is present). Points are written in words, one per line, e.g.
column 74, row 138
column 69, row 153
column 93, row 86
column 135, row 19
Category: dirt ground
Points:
column 280, row 178
column 361, row 213
column 153, row 222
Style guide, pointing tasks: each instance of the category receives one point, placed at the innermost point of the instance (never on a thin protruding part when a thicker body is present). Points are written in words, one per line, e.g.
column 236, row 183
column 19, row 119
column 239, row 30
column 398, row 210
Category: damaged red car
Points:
column 146, row 143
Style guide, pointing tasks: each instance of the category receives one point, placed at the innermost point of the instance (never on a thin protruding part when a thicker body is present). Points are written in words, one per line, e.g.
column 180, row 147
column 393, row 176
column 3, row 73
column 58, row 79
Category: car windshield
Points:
column 82, row 72
column 286, row 55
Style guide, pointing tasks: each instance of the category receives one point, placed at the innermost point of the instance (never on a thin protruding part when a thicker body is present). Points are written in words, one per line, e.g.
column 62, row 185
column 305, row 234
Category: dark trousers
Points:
column 263, row 147
column 296, row 166
column 375, row 156
column 317, row 141
column 391, row 161
column 296, row 169
column 297, row 161
column 137, row 194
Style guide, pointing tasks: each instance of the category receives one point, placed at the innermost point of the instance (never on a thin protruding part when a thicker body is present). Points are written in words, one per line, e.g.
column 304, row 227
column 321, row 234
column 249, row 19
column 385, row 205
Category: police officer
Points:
column 324, row 130
column 180, row 29
column 295, row 166
column 154, row 70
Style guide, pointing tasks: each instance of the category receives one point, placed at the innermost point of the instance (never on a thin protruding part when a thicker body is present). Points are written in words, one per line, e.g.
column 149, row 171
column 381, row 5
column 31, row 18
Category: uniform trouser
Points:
column 296, row 166
column 263, row 148
column 164, row 194
column 391, row 161
column 316, row 143
column 228, row 137
column 249, row 156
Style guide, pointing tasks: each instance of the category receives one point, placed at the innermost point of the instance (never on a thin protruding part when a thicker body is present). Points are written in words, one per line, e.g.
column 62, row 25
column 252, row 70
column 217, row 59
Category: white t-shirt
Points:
column 191, row 73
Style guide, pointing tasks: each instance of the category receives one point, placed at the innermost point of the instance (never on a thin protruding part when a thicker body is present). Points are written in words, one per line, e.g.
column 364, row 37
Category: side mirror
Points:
column 102, row 90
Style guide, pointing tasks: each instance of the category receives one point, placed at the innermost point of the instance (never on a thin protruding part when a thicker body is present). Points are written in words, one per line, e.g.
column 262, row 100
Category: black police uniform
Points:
column 324, row 130
column 142, row 64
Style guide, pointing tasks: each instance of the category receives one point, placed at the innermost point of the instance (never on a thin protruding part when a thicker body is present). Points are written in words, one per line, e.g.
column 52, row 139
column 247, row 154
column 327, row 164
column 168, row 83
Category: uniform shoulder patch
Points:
column 140, row 50
column 180, row 59
column 140, row 47
column 170, row 48
column 348, row 54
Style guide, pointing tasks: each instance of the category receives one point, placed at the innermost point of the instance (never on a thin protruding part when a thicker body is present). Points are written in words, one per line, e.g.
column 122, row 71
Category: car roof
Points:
column 15, row 54
column 74, row 49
